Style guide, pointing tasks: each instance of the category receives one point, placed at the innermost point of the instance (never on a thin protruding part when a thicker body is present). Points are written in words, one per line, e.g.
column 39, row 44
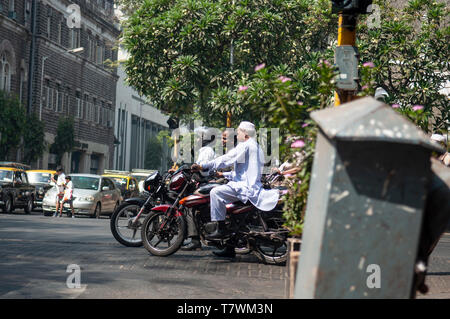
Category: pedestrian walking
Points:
column 68, row 196
column 59, row 181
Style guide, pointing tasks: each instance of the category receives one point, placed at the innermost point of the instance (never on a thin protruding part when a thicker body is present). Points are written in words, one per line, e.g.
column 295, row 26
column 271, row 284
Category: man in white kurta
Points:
column 244, row 182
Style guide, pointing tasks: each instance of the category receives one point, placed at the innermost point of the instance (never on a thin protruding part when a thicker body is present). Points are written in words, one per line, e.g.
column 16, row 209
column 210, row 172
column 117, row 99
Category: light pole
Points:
column 44, row 58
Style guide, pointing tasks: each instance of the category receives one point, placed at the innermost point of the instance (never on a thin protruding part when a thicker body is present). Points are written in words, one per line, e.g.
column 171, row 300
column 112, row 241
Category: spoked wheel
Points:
column 163, row 235
column 124, row 226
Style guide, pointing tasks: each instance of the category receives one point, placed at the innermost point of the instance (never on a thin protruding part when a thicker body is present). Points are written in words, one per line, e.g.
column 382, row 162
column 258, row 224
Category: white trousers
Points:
column 220, row 196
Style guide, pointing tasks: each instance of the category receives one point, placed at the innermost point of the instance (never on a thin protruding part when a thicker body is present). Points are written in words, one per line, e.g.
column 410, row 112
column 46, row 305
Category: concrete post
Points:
column 365, row 204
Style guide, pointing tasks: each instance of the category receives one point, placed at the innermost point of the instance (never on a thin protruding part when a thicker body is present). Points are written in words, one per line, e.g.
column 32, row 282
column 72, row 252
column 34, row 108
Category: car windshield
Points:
column 85, row 182
column 36, row 177
column 120, row 182
column 6, row 176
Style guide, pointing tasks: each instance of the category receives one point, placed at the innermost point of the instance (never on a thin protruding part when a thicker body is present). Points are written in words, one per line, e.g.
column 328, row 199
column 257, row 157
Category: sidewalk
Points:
column 438, row 278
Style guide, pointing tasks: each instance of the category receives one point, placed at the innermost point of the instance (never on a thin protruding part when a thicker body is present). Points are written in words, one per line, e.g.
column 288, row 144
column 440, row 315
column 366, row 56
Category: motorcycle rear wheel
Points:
column 152, row 237
column 271, row 254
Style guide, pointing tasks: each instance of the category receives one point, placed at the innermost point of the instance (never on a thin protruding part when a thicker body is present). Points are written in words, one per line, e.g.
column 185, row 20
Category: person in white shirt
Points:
column 68, row 196
column 59, row 181
column 244, row 181
column 206, row 153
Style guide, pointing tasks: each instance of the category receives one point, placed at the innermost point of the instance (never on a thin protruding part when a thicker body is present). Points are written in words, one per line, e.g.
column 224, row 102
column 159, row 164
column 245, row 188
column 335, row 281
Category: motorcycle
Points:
column 126, row 220
column 164, row 229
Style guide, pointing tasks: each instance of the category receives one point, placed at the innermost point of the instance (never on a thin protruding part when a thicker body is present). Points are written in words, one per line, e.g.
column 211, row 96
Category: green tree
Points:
column 12, row 124
column 153, row 153
column 64, row 139
column 180, row 49
column 33, row 139
column 410, row 52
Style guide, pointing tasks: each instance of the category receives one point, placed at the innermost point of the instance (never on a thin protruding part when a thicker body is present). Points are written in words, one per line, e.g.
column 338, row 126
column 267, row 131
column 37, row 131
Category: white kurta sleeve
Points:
column 237, row 154
column 205, row 155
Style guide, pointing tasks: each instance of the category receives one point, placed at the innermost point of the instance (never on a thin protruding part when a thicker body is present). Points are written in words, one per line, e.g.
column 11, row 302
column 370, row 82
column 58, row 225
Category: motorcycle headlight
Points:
column 41, row 191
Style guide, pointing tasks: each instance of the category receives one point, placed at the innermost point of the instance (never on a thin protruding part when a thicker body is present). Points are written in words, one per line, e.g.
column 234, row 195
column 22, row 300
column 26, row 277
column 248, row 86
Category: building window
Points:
column 99, row 51
column 67, row 104
column 79, row 108
column 27, row 10
column 49, row 26
column 74, row 38
column 92, row 47
column 58, row 99
column 85, row 111
column 5, row 73
column 11, row 6
column 60, row 32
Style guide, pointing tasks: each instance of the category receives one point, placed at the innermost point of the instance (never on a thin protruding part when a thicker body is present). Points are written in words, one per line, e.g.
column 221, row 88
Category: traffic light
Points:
column 350, row 6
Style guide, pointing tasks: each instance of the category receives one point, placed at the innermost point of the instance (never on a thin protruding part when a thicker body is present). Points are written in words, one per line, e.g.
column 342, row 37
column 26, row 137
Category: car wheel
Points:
column 8, row 207
column 29, row 206
column 98, row 210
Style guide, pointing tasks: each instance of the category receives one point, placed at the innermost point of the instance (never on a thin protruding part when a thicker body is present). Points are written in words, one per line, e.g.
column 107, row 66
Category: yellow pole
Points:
column 228, row 119
column 346, row 36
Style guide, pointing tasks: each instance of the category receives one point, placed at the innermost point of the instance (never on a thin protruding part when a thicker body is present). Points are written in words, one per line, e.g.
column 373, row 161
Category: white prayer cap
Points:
column 248, row 127
column 439, row 138
column 245, row 125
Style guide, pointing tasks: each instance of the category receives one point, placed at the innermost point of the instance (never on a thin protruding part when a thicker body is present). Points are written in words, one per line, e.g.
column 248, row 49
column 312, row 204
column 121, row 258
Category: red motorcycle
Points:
column 164, row 229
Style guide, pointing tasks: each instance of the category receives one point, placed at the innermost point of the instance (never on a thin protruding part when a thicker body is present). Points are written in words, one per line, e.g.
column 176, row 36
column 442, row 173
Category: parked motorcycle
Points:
column 164, row 230
column 126, row 220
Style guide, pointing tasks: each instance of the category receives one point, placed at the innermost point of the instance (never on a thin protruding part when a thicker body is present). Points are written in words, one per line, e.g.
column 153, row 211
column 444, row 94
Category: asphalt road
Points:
column 35, row 252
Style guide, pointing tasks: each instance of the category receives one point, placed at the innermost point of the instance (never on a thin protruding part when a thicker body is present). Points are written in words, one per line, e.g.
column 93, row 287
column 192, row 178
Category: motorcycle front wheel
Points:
column 159, row 240
column 124, row 228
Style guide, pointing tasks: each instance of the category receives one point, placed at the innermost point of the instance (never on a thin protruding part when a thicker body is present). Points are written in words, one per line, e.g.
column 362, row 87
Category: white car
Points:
column 93, row 195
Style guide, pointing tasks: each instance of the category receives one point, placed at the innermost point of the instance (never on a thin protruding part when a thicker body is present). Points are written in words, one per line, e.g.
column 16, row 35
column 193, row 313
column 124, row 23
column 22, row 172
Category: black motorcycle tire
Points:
column 262, row 255
column 267, row 259
column 181, row 232
column 115, row 231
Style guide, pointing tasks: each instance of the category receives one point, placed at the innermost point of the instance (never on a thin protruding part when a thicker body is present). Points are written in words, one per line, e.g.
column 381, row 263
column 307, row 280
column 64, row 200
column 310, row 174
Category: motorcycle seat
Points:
column 206, row 189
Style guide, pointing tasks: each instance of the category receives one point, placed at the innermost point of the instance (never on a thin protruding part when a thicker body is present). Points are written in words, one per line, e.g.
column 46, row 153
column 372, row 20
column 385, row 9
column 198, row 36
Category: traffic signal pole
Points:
column 346, row 54
column 346, row 36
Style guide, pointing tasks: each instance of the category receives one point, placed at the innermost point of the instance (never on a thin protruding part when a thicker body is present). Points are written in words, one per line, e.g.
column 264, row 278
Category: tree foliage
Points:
column 64, row 139
column 12, row 123
column 180, row 49
column 33, row 139
column 19, row 130
column 410, row 50
column 153, row 153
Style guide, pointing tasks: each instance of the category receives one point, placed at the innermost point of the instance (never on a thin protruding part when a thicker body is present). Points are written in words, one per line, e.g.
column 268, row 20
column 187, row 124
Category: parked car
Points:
column 15, row 190
column 41, row 179
column 93, row 195
column 127, row 184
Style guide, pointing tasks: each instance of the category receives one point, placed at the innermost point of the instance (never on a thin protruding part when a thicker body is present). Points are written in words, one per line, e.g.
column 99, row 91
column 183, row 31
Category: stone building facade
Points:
column 78, row 85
